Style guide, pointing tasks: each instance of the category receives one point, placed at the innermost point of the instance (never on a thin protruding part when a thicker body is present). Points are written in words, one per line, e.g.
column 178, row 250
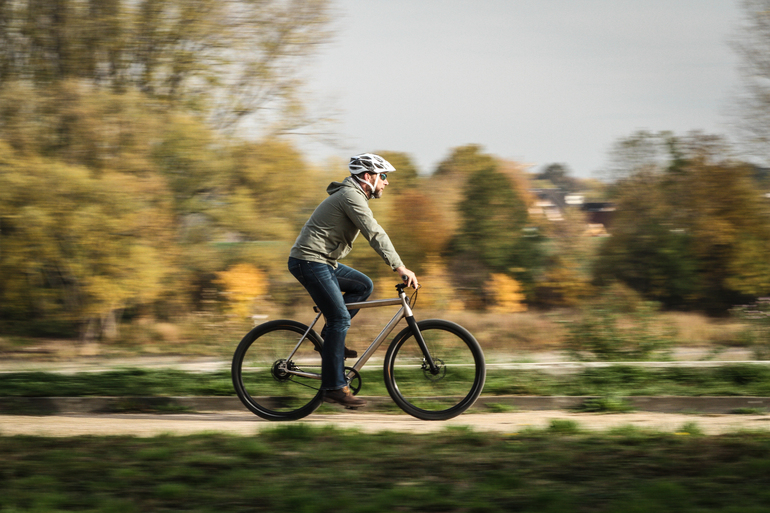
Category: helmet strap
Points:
column 372, row 187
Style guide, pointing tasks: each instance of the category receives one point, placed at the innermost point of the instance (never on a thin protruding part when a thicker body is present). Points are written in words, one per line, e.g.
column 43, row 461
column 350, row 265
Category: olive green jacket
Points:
column 329, row 233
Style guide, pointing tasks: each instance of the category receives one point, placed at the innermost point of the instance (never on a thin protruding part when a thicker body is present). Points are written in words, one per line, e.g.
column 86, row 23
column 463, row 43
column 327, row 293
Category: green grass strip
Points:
column 618, row 380
column 301, row 468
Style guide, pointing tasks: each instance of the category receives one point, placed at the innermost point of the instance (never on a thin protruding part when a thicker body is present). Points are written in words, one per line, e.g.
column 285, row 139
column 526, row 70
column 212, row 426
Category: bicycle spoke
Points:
column 262, row 375
column 451, row 387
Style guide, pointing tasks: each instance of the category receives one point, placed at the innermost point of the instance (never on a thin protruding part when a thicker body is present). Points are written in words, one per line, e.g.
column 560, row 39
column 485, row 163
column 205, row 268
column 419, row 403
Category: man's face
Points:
column 381, row 184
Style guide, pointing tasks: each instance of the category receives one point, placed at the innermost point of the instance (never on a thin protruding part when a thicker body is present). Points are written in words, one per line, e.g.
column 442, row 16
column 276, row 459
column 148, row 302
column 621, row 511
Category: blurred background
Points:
column 158, row 159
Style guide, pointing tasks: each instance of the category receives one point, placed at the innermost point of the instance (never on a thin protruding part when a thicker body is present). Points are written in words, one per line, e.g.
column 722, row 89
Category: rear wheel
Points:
column 449, row 389
column 261, row 371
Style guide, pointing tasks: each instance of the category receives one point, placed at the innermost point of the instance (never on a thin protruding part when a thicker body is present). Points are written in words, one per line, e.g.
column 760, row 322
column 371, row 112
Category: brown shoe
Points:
column 344, row 397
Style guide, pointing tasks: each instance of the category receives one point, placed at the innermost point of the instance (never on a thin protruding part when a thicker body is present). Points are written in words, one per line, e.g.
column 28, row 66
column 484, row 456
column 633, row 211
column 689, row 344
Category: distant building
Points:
column 552, row 202
column 574, row 199
column 599, row 213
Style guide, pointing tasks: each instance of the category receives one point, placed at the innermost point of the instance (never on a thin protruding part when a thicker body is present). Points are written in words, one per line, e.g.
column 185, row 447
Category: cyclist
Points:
column 326, row 238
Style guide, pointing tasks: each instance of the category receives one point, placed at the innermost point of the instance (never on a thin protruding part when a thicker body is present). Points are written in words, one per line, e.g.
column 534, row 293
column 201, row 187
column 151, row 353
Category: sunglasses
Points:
column 383, row 176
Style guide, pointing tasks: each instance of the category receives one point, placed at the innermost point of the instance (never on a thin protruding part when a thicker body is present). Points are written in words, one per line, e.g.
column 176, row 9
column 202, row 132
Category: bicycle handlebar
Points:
column 401, row 286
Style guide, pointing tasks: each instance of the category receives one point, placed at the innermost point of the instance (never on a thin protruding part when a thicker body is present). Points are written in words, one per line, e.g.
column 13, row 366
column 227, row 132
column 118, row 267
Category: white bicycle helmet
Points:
column 369, row 163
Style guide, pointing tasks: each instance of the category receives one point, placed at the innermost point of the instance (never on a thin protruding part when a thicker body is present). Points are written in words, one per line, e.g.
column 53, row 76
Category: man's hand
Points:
column 408, row 276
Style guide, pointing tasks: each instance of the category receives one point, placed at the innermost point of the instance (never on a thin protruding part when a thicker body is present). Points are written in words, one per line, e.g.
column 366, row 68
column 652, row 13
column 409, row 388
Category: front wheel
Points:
column 263, row 371
column 445, row 391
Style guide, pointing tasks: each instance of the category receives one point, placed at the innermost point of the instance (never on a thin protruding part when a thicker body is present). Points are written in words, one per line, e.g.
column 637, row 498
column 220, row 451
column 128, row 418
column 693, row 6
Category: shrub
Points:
column 757, row 333
column 605, row 333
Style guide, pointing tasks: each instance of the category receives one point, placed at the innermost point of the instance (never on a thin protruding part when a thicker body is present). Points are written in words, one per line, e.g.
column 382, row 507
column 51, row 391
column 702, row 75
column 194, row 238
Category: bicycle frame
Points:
column 405, row 312
column 434, row 384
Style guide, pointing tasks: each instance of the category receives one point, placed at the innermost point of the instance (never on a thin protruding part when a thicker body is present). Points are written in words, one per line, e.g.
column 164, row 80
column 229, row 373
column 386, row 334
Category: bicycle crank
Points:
column 354, row 379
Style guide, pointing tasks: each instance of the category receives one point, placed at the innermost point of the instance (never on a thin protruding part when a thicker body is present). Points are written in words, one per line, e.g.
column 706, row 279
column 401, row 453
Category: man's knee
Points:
column 369, row 287
column 339, row 323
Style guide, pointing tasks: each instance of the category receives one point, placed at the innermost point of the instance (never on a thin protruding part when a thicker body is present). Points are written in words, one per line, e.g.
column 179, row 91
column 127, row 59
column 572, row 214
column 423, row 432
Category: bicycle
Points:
column 433, row 369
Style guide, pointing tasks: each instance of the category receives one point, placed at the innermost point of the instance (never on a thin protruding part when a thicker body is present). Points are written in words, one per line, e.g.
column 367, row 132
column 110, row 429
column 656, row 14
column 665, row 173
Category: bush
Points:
column 757, row 333
column 606, row 332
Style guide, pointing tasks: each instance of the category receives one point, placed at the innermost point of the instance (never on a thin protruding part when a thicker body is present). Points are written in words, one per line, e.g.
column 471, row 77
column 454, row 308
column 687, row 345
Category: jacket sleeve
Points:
column 363, row 218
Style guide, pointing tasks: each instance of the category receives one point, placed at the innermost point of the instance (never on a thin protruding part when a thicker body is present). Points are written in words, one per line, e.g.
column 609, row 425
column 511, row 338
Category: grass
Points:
column 607, row 404
column 500, row 408
column 626, row 380
column 750, row 411
column 301, row 468
column 608, row 382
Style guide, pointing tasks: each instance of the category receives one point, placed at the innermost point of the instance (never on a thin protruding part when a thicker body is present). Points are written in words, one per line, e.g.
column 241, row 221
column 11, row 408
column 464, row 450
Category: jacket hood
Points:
column 347, row 182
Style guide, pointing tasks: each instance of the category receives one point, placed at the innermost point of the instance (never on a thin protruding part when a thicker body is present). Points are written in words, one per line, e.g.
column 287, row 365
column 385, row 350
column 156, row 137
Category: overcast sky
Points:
column 537, row 81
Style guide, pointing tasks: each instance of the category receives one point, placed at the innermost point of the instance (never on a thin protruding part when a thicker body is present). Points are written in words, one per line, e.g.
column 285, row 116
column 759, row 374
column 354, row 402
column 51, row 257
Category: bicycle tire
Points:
column 257, row 373
column 441, row 396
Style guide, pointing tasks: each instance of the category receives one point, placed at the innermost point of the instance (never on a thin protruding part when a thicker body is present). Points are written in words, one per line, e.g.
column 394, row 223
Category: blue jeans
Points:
column 326, row 286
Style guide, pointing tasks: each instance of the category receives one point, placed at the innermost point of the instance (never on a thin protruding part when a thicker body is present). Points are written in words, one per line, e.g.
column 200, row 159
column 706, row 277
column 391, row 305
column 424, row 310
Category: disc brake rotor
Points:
column 437, row 376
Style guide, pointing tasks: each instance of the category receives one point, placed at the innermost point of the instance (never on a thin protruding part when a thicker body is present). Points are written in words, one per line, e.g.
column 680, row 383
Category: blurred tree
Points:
column 437, row 290
column 495, row 233
column 465, row 161
column 569, row 249
column 243, row 285
column 415, row 226
column 647, row 250
column 641, row 152
column 506, row 294
column 118, row 94
column 749, row 271
column 77, row 123
column 196, row 164
column 267, row 177
column 78, row 249
column 752, row 105
column 493, row 219
column 209, row 193
column 235, row 60
column 684, row 235
column 445, row 185
column 558, row 174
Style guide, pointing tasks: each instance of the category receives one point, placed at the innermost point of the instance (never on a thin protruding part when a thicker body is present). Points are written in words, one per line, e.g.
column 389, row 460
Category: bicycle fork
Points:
column 418, row 336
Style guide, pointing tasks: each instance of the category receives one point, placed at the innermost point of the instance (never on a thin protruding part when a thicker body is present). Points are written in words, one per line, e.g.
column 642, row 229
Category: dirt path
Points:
column 244, row 423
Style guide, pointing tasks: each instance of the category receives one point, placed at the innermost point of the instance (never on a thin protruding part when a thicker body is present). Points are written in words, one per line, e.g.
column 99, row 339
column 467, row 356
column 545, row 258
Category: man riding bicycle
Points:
column 326, row 238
